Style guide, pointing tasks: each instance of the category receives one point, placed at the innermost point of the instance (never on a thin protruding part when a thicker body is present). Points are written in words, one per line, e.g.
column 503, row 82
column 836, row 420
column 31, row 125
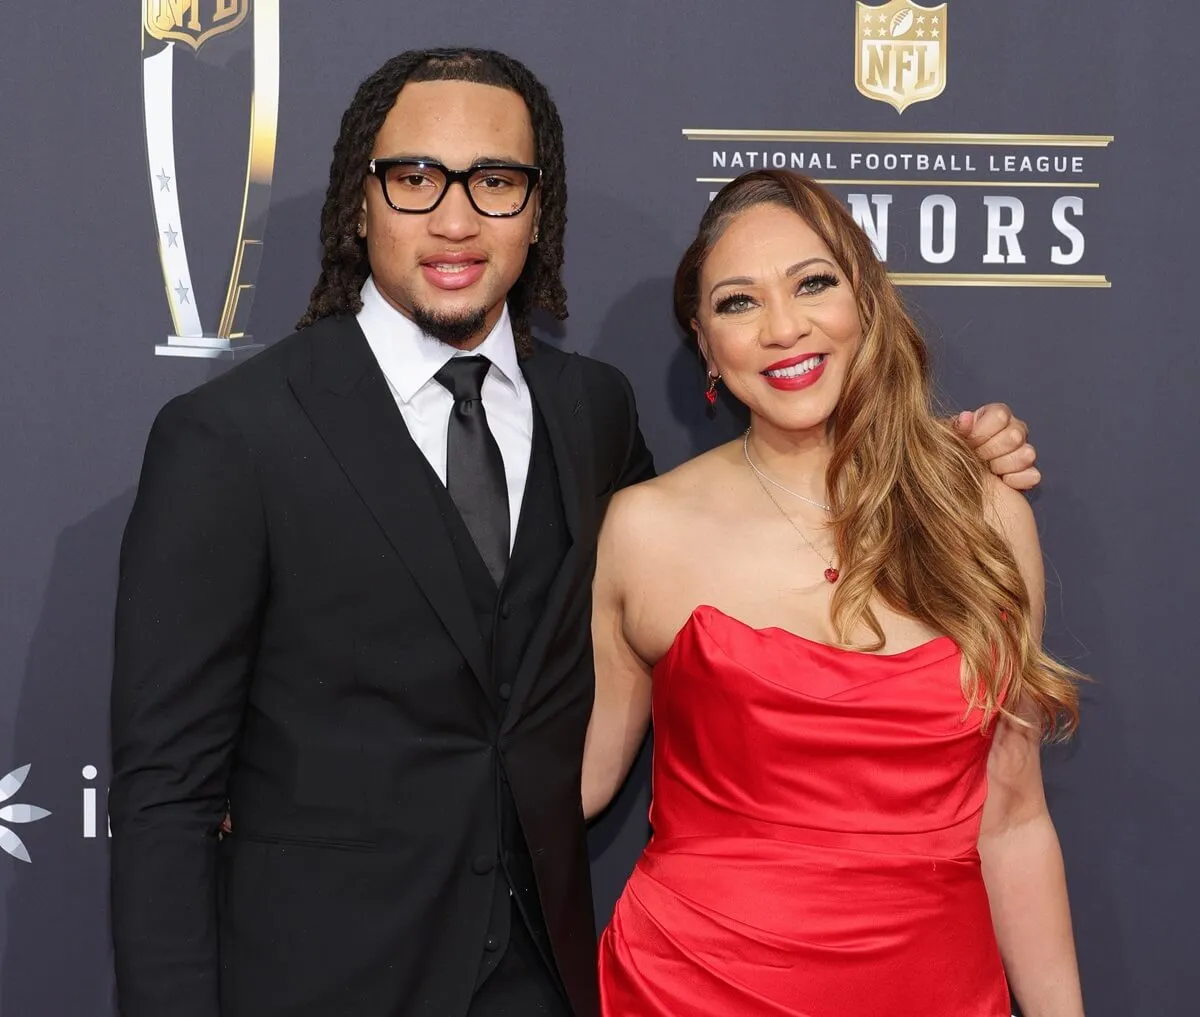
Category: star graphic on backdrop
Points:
column 883, row 19
column 867, row 17
column 920, row 33
column 920, row 19
column 164, row 181
column 937, row 20
column 936, row 33
column 867, row 33
column 172, row 236
column 182, row 292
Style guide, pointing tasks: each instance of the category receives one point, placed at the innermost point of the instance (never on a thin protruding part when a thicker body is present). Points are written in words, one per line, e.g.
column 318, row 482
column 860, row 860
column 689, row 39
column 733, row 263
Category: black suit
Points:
column 298, row 638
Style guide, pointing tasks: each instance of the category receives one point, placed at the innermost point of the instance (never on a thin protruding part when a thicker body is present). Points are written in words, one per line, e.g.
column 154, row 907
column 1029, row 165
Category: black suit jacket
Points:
column 294, row 641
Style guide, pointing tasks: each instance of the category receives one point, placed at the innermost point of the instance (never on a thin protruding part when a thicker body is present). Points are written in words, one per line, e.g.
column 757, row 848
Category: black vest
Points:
column 507, row 618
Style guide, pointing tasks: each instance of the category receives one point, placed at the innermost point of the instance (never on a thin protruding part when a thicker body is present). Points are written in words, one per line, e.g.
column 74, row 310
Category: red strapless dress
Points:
column 815, row 814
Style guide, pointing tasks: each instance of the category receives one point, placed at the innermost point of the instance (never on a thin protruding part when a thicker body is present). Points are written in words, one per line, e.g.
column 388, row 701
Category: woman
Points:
column 841, row 614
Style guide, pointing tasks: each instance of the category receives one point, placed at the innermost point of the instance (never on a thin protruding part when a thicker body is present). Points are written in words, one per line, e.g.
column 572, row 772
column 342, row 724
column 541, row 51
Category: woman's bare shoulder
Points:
column 641, row 512
column 1010, row 513
column 695, row 474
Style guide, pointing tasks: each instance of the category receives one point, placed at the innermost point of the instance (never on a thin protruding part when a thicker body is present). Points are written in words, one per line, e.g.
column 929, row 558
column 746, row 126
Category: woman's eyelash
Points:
column 732, row 303
column 826, row 279
column 727, row 302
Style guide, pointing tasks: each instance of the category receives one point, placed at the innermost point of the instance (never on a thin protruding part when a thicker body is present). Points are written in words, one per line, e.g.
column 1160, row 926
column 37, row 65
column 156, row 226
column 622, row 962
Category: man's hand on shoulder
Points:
column 1002, row 441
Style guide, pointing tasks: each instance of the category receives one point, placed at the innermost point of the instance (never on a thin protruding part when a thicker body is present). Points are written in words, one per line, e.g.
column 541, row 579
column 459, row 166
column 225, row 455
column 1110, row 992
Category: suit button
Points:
column 505, row 611
column 505, row 691
column 483, row 864
column 492, row 943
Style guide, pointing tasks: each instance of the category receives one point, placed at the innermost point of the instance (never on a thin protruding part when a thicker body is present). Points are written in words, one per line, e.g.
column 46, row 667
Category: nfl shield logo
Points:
column 193, row 21
column 900, row 52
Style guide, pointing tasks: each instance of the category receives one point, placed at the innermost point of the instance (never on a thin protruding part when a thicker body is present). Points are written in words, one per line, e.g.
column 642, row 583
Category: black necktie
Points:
column 474, row 468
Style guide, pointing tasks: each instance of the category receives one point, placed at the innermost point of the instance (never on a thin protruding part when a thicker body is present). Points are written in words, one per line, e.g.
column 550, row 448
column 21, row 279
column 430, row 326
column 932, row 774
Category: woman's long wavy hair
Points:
column 907, row 493
column 344, row 265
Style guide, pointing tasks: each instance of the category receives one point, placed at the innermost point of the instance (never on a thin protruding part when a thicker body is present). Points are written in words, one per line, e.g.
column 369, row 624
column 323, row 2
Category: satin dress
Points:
column 816, row 814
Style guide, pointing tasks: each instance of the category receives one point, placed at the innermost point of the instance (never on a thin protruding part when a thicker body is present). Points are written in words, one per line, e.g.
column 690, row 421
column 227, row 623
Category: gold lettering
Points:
column 878, row 65
column 904, row 62
column 925, row 77
column 168, row 14
column 226, row 9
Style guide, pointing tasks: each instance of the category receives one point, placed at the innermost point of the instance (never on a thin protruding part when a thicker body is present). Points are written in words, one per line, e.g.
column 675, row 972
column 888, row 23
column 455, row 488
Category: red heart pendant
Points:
column 831, row 575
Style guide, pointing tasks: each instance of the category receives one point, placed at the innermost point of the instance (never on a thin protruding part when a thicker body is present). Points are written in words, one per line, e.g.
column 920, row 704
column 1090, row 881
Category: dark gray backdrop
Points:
column 1107, row 377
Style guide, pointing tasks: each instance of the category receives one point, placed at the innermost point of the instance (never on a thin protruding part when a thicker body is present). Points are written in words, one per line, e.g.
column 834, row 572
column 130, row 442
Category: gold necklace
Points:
column 770, row 480
column 831, row 573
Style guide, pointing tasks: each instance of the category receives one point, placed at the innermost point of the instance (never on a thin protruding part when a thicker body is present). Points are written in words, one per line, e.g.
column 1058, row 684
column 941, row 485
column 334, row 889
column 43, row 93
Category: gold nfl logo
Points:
column 900, row 52
column 193, row 21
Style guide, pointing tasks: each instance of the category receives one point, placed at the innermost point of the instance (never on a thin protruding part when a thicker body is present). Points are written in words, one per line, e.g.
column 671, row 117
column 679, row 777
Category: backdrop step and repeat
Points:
column 1027, row 169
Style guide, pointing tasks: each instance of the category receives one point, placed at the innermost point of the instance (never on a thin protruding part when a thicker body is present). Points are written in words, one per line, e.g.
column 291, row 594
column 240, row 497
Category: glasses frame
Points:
column 379, row 167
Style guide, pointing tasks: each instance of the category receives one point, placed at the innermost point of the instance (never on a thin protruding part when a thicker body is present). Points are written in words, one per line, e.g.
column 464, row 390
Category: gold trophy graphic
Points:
column 187, row 25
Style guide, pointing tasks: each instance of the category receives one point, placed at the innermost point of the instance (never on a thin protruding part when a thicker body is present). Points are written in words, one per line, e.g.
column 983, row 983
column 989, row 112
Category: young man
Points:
column 355, row 598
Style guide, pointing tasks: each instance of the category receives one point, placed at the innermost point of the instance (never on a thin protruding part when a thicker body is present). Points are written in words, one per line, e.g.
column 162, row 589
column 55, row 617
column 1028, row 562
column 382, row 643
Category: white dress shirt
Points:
column 410, row 359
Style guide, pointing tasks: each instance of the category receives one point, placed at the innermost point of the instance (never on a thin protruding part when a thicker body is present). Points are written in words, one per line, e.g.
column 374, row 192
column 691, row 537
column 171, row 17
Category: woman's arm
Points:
column 1022, row 861
column 621, row 709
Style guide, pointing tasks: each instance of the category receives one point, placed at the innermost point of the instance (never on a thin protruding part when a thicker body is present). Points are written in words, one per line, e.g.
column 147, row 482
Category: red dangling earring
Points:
column 711, row 392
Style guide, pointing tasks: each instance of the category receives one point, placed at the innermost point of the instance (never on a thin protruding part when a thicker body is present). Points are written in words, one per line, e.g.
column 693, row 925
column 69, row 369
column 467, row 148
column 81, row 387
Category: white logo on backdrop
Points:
column 9, row 786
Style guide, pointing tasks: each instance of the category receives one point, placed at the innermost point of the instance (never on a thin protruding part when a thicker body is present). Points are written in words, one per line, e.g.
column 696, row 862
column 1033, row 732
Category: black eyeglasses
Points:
column 416, row 186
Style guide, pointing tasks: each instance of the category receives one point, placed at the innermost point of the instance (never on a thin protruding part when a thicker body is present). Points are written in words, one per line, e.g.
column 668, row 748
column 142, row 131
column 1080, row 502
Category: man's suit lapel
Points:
column 346, row 396
column 555, row 382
